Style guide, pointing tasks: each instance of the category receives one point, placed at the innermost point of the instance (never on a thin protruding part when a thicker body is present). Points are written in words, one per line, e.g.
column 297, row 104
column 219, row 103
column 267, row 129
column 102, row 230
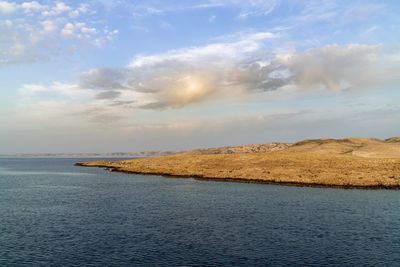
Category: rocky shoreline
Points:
column 242, row 180
column 345, row 163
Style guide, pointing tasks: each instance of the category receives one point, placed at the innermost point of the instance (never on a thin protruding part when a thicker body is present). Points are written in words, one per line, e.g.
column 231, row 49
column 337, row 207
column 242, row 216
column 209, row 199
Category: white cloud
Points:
column 88, row 30
column 49, row 26
column 256, row 8
column 224, row 70
column 245, row 9
column 336, row 67
column 32, row 89
column 33, row 6
column 247, row 44
column 35, row 31
column 57, row 9
column 68, row 30
column 61, row 7
column 82, row 9
column 54, row 90
column 7, row 7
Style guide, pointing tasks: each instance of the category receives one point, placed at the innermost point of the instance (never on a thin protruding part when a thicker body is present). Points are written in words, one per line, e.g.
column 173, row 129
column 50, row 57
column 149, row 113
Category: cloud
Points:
column 78, row 30
column 108, row 95
column 328, row 19
column 98, row 115
column 246, row 66
column 37, row 31
column 255, row 8
column 182, row 90
column 121, row 103
column 32, row 89
column 30, row 6
column 56, row 90
column 7, row 7
column 242, row 46
column 103, row 79
column 193, row 75
column 244, row 9
column 336, row 67
column 188, row 133
column 242, row 67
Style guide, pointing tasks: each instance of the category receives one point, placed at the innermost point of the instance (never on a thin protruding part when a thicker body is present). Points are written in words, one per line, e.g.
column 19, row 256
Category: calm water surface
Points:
column 55, row 214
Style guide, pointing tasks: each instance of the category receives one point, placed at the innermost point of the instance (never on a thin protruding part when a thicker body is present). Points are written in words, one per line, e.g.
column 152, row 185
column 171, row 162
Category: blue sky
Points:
column 99, row 76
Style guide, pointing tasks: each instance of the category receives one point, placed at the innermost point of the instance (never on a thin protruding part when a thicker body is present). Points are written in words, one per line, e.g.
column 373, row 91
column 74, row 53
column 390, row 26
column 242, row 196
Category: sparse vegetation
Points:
column 353, row 162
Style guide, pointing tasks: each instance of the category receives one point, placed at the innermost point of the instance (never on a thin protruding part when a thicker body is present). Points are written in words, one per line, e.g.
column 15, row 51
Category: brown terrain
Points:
column 347, row 163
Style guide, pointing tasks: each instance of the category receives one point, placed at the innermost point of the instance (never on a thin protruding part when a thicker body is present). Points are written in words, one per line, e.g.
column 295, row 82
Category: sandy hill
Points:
column 361, row 147
column 351, row 162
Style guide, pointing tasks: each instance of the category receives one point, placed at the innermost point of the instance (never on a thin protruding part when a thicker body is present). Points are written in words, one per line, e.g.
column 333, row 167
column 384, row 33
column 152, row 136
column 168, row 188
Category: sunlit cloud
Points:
column 224, row 70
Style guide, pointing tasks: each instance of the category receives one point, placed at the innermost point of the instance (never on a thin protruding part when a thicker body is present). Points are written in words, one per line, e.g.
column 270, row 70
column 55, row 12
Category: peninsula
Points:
column 346, row 163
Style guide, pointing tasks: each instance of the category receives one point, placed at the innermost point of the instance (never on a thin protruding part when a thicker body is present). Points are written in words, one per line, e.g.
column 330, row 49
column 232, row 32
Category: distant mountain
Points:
column 363, row 147
column 252, row 148
column 93, row 155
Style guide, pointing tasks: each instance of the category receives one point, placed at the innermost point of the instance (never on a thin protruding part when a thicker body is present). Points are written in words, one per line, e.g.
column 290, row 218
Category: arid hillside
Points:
column 252, row 148
column 361, row 147
column 353, row 162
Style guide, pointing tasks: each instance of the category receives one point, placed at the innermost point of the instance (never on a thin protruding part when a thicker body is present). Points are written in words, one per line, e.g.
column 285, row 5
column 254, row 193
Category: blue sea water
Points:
column 55, row 214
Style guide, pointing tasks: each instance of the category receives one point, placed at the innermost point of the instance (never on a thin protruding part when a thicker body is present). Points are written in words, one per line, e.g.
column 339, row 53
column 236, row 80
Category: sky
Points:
column 119, row 75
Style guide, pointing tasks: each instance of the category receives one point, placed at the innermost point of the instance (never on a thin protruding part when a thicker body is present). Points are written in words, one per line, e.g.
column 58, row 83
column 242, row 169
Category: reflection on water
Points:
column 53, row 213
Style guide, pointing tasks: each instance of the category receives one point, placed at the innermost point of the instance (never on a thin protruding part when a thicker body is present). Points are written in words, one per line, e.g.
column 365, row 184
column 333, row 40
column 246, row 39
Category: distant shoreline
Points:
column 64, row 157
column 340, row 163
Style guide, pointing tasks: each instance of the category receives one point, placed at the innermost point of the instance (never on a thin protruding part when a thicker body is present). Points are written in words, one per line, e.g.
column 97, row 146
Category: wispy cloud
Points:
column 330, row 15
column 244, row 9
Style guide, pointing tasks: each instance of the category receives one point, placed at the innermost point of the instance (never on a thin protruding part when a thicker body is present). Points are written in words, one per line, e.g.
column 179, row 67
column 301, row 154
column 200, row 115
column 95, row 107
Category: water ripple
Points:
column 100, row 218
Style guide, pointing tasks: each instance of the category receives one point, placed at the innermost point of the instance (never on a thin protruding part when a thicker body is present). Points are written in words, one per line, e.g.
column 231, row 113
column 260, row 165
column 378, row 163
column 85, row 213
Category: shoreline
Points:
column 241, row 180
column 365, row 163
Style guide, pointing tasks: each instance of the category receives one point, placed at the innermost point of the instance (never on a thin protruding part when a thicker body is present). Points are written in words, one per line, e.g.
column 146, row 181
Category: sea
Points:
column 53, row 213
